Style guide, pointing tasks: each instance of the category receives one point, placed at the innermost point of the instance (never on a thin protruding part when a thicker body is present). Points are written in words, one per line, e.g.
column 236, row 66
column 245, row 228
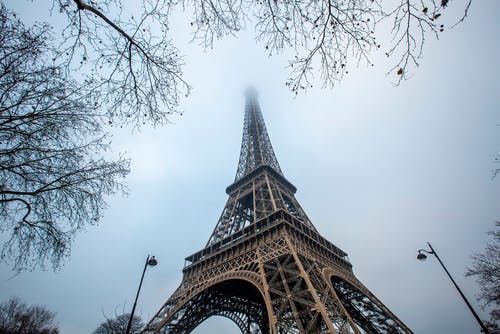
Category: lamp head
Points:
column 152, row 261
column 421, row 256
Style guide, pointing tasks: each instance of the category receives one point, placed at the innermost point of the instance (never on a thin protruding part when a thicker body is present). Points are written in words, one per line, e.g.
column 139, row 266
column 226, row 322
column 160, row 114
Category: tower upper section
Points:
column 259, row 190
column 256, row 148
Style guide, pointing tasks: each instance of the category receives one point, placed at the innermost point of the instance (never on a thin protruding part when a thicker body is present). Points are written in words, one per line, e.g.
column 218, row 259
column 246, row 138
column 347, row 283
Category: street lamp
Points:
column 421, row 256
column 150, row 261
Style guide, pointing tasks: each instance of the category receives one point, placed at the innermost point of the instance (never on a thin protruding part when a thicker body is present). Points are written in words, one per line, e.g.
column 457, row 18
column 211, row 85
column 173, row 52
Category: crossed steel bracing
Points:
column 256, row 148
column 265, row 266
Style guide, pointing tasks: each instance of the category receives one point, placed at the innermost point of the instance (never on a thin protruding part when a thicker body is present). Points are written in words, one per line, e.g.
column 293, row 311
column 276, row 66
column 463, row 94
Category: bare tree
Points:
column 16, row 317
column 143, row 78
column 327, row 34
column 53, row 177
column 119, row 324
column 486, row 270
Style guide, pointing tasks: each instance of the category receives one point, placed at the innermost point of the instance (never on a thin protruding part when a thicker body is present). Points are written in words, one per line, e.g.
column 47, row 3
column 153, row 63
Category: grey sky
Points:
column 379, row 170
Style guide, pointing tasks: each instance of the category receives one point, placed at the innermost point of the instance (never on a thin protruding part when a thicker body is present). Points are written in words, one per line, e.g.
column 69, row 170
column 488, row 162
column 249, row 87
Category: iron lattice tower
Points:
column 265, row 266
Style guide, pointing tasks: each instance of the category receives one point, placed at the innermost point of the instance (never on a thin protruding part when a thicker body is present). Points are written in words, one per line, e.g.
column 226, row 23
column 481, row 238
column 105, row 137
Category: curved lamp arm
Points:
column 421, row 256
column 150, row 261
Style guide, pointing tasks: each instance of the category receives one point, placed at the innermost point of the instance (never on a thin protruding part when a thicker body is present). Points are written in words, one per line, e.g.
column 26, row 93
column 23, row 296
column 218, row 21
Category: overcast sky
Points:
column 380, row 170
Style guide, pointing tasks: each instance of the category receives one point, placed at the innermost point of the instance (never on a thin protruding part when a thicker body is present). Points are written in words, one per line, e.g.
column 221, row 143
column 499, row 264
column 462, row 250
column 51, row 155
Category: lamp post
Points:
column 421, row 256
column 150, row 261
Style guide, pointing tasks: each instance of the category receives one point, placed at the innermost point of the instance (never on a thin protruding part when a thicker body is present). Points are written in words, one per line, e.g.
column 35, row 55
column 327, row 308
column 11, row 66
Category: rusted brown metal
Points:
column 265, row 266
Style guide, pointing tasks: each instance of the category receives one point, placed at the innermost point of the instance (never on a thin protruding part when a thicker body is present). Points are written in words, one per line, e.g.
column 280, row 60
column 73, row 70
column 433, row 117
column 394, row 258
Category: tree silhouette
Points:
column 16, row 317
column 119, row 324
column 53, row 177
column 486, row 270
column 126, row 54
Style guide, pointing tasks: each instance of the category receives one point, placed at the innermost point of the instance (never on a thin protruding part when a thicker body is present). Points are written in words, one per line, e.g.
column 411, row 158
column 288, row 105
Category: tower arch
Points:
column 238, row 300
column 364, row 308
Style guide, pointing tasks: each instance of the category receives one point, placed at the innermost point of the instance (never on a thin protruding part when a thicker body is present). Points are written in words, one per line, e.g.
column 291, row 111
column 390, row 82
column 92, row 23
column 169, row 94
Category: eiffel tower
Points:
column 265, row 266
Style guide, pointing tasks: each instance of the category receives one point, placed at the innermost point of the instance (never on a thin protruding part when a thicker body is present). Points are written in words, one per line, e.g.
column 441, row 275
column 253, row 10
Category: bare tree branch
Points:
column 486, row 270
column 137, row 73
column 327, row 36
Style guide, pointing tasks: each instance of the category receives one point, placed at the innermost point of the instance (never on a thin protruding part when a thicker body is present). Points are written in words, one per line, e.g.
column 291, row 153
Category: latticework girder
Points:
column 256, row 148
column 232, row 299
column 299, row 285
column 265, row 266
column 257, row 196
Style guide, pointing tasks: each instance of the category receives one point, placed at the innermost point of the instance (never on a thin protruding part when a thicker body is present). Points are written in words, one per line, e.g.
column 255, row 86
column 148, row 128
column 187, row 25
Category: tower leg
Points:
column 277, row 287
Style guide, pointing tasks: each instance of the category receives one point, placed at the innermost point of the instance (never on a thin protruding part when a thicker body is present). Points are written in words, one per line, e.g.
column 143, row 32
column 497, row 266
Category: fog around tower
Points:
column 379, row 170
